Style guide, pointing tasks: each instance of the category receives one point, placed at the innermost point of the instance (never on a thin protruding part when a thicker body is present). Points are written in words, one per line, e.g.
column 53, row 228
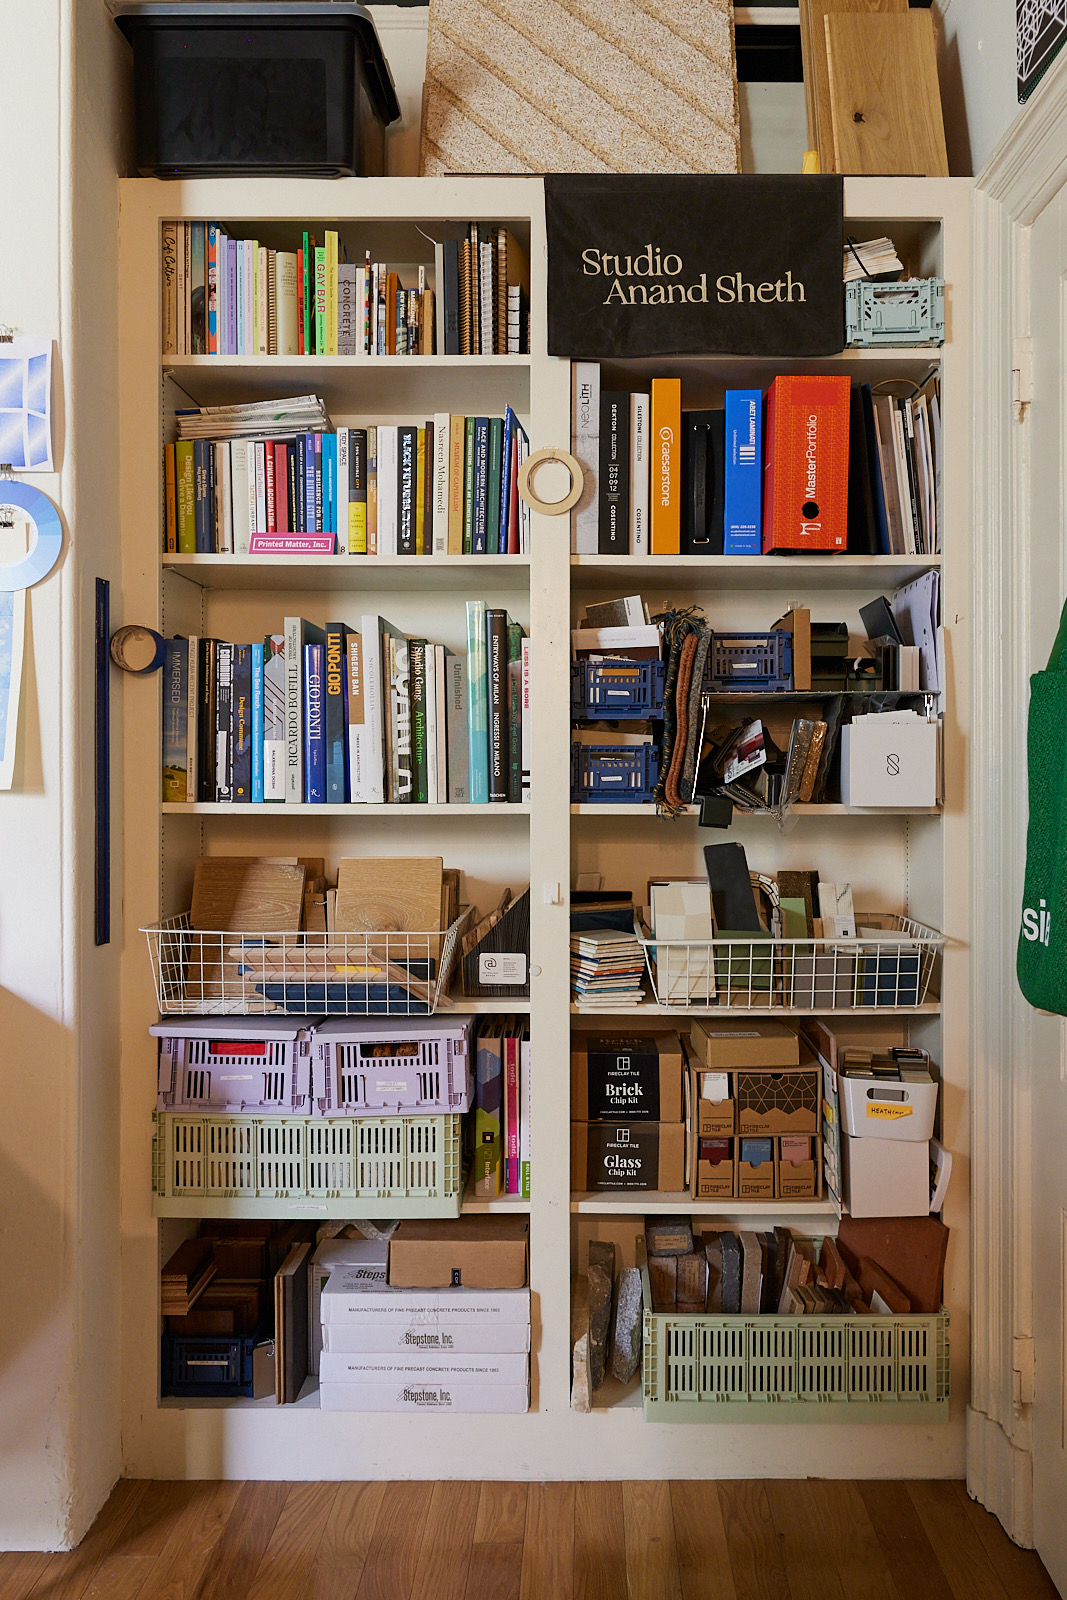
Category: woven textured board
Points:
column 516, row 86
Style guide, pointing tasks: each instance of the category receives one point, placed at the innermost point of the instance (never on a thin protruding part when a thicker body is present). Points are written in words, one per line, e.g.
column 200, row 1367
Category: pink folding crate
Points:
column 393, row 1066
column 235, row 1064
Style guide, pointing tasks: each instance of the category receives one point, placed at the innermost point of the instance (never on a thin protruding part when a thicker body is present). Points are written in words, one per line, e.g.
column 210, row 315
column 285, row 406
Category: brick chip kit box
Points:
column 620, row 1075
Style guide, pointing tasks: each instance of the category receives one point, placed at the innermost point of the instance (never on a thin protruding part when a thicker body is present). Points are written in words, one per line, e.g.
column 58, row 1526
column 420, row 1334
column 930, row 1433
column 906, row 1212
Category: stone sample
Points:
column 626, row 1349
column 668, row 1236
column 581, row 1387
column 663, row 1281
column 600, row 1292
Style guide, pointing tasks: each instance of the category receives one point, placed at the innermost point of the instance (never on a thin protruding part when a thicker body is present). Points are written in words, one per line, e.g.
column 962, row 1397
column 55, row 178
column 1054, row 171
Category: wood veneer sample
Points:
column 885, row 99
column 816, row 73
column 388, row 894
column 233, row 893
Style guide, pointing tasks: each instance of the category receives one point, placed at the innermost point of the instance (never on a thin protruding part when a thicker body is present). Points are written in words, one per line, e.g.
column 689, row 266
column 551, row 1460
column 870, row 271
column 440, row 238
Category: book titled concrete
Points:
column 411, row 1395
column 349, row 1298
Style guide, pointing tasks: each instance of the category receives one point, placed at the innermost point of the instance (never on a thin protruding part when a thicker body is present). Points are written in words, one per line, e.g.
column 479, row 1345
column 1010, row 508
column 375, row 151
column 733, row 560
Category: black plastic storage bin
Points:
column 271, row 88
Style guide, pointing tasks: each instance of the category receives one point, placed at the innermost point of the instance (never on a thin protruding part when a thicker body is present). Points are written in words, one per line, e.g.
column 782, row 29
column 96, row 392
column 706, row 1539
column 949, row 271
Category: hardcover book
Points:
column 806, row 471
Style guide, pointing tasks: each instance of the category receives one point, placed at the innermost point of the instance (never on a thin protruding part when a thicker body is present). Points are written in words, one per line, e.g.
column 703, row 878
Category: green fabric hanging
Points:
column 1042, row 959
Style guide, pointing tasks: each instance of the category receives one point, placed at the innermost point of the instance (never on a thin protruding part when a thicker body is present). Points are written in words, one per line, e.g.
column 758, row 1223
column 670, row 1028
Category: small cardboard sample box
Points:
column 785, row 1100
column 711, row 1103
column 712, row 1168
column 798, row 1177
column 755, row 1169
column 747, row 1044
column 890, row 759
column 630, row 1155
column 626, row 1075
column 886, row 1177
column 468, row 1252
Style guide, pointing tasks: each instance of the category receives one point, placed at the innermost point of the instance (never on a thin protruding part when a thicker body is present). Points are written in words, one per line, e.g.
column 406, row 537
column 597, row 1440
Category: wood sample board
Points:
column 884, row 95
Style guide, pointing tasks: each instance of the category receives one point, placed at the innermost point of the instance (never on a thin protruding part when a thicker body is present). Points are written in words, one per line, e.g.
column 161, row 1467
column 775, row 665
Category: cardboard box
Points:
column 400, row 1396
column 631, row 1155
column 712, row 1166
column 626, row 1075
column 365, row 1259
column 711, row 1102
column 409, row 1335
column 485, row 1253
column 889, row 759
column 798, row 1179
column 755, row 1169
column 747, row 1044
column 427, row 1368
column 886, row 1177
column 352, row 1299
column 785, row 1100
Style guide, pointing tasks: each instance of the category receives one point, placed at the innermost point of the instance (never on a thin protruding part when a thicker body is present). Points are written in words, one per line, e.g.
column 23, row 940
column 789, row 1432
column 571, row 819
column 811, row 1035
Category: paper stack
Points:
column 386, row 1349
column 607, row 967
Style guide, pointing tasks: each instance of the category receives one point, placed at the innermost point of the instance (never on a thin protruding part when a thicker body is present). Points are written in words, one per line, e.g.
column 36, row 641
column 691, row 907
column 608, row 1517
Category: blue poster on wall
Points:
column 1040, row 29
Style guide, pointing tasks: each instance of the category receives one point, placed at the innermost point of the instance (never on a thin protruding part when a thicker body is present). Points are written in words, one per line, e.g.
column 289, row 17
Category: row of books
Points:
column 448, row 486
column 501, row 1121
column 334, row 715
column 238, row 297
column 815, row 464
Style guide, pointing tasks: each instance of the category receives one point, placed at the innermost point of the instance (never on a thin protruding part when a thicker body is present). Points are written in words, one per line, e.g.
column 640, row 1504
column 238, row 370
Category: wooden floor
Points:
column 766, row 1540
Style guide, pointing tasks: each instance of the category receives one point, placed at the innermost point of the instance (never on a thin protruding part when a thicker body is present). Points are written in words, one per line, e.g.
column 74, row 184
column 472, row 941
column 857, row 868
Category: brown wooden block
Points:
column 389, row 894
column 874, row 1281
column 234, row 893
column 816, row 72
column 885, row 101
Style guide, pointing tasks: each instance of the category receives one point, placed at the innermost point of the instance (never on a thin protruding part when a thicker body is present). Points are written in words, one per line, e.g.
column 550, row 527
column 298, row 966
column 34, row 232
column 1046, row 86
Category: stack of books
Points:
column 275, row 478
column 501, row 1124
column 607, row 968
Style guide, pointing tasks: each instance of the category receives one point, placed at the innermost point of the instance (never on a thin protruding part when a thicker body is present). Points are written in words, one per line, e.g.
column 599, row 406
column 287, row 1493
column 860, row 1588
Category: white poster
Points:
column 26, row 404
column 12, row 634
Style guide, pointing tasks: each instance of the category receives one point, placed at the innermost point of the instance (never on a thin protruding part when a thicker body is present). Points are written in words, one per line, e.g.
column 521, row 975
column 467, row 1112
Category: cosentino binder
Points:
column 646, row 265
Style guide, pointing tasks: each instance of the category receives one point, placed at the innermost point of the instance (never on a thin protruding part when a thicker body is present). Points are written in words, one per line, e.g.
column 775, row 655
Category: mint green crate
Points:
column 712, row 1368
column 260, row 1166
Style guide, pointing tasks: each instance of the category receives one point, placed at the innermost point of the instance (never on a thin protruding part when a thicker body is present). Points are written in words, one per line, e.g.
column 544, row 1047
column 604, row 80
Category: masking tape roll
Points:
column 134, row 633
column 551, row 508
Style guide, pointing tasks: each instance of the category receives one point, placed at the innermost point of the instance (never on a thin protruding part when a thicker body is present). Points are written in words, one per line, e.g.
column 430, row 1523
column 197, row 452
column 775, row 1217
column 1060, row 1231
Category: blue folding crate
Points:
column 199, row 1367
column 627, row 773
column 616, row 688
column 740, row 661
column 911, row 312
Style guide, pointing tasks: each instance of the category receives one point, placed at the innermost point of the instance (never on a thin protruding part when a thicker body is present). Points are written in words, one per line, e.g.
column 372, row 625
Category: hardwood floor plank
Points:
column 447, row 1542
column 752, row 1541
column 501, row 1513
column 124, row 1570
column 599, row 1542
column 548, row 1546
column 20, row 1570
column 703, row 1556
column 651, row 1549
column 862, row 1570
column 283, row 1569
column 179, row 1572
column 963, row 1558
column 248, row 1532
column 908, row 1553
column 346, row 1540
column 809, row 1558
column 68, row 1573
column 1020, row 1571
column 394, row 1548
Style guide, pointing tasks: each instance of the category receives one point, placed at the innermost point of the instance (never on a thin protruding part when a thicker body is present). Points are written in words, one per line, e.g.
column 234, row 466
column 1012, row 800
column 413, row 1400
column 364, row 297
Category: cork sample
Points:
column 521, row 86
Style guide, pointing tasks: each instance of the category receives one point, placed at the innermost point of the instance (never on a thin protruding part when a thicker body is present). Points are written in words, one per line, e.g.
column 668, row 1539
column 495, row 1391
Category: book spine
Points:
column 639, row 408
column 488, row 1105
column 510, row 420
column 242, row 724
column 420, row 792
column 294, row 711
column 372, row 491
column 523, row 513
column 373, row 767
column 197, row 289
column 527, row 723
column 175, row 774
column 511, row 1114
column 314, row 730
column 233, row 297
column 356, row 714
column 303, row 347
column 287, row 310
column 400, row 719
column 347, row 342
column 480, row 511
column 223, row 498
column 272, row 302
column 262, row 301
column 407, row 483
column 318, row 524
column 665, row 522
column 357, row 491
column 330, row 292
column 422, row 443
column 336, row 775
column 329, row 484
column 192, row 740
column 387, row 490
column 182, row 288
column 614, row 537
column 203, row 542
column 212, row 288
column 280, row 450
column 477, row 704
column 341, row 517
column 450, row 295
column 320, row 300
column 457, row 434
column 270, row 495
column 239, row 454
column 169, row 251
column 170, row 499
column 205, row 720
column 525, row 1143
column 585, row 447
column 275, row 699
column 496, row 535
column 514, row 531
column 514, row 729
column 309, row 482
column 223, row 732
column 496, row 631
column 806, row 470
column 436, row 783
column 744, row 472
column 468, row 484
column 458, row 744
column 257, row 724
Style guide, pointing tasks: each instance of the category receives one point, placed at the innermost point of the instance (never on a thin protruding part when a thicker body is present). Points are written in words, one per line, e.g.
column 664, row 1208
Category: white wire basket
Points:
column 200, row 972
column 893, row 963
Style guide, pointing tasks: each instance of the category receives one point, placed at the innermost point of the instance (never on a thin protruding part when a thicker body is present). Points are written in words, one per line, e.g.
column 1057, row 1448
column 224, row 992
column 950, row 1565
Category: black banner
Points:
column 646, row 265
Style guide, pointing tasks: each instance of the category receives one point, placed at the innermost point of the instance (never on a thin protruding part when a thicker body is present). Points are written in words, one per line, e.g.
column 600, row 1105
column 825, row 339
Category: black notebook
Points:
column 703, row 478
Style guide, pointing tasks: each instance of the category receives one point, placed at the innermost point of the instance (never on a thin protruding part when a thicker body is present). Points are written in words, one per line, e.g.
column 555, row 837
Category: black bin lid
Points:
column 132, row 15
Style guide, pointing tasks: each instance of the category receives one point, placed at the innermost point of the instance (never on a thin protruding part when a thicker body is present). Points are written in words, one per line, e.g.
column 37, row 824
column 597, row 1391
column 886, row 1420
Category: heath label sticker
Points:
column 502, row 966
column 888, row 1113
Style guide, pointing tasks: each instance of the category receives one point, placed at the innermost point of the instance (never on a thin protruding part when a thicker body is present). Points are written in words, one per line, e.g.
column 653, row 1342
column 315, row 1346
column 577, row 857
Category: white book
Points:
column 458, row 755
column 440, row 669
column 359, row 312
column 239, row 295
column 375, row 701
column 262, row 303
column 387, row 490
column 223, row 503
column 440, row 483
column 903, row 484
column 357, row 721
column 274, row 718
column 170, row 288
column 342, row 491
column 249, row 282
column 239, row 499
column 585, row 447
column 430, row 669
column 526, row 754
column 260, row 452
column 285, row 299
column 639, row 458
column 182, row 287
column 253, row 497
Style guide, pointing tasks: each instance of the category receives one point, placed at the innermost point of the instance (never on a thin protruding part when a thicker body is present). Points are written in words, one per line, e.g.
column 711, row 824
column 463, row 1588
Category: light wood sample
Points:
column 816, row 73
column 885, row 97
column 231, row 893
column 388, row 894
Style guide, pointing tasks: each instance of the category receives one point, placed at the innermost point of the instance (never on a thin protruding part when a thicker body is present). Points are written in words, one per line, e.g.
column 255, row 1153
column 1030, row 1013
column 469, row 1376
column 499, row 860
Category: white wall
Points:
column 59, row 1444
column 977, row 68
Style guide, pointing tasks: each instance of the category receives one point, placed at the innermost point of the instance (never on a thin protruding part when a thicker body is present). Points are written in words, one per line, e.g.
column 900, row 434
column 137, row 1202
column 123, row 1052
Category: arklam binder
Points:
column 806, row 473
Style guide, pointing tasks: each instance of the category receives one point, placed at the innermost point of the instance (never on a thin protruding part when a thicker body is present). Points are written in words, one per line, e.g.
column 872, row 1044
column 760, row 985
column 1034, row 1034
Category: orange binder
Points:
column 666, row 463
column 805, row 490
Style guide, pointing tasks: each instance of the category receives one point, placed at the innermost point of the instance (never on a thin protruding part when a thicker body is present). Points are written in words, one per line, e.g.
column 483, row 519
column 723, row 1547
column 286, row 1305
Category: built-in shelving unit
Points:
column 913, row 861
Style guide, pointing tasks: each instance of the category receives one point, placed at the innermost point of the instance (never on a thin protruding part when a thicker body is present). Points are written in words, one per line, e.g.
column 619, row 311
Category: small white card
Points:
column 502, row 966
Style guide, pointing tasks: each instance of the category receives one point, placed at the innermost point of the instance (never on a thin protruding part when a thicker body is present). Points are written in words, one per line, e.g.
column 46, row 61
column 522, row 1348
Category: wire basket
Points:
column 200, row 972
column 895, row 964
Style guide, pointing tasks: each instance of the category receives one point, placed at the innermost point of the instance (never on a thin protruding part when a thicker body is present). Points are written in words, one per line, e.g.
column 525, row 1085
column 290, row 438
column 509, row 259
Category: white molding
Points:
column 1022, row 176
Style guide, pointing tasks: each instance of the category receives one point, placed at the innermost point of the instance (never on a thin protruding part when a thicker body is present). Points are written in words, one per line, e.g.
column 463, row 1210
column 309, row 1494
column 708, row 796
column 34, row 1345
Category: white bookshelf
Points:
column 914, row 861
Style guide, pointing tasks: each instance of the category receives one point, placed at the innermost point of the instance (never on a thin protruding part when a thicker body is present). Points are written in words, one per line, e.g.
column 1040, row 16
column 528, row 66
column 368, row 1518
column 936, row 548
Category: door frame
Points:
column 1025, row 172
